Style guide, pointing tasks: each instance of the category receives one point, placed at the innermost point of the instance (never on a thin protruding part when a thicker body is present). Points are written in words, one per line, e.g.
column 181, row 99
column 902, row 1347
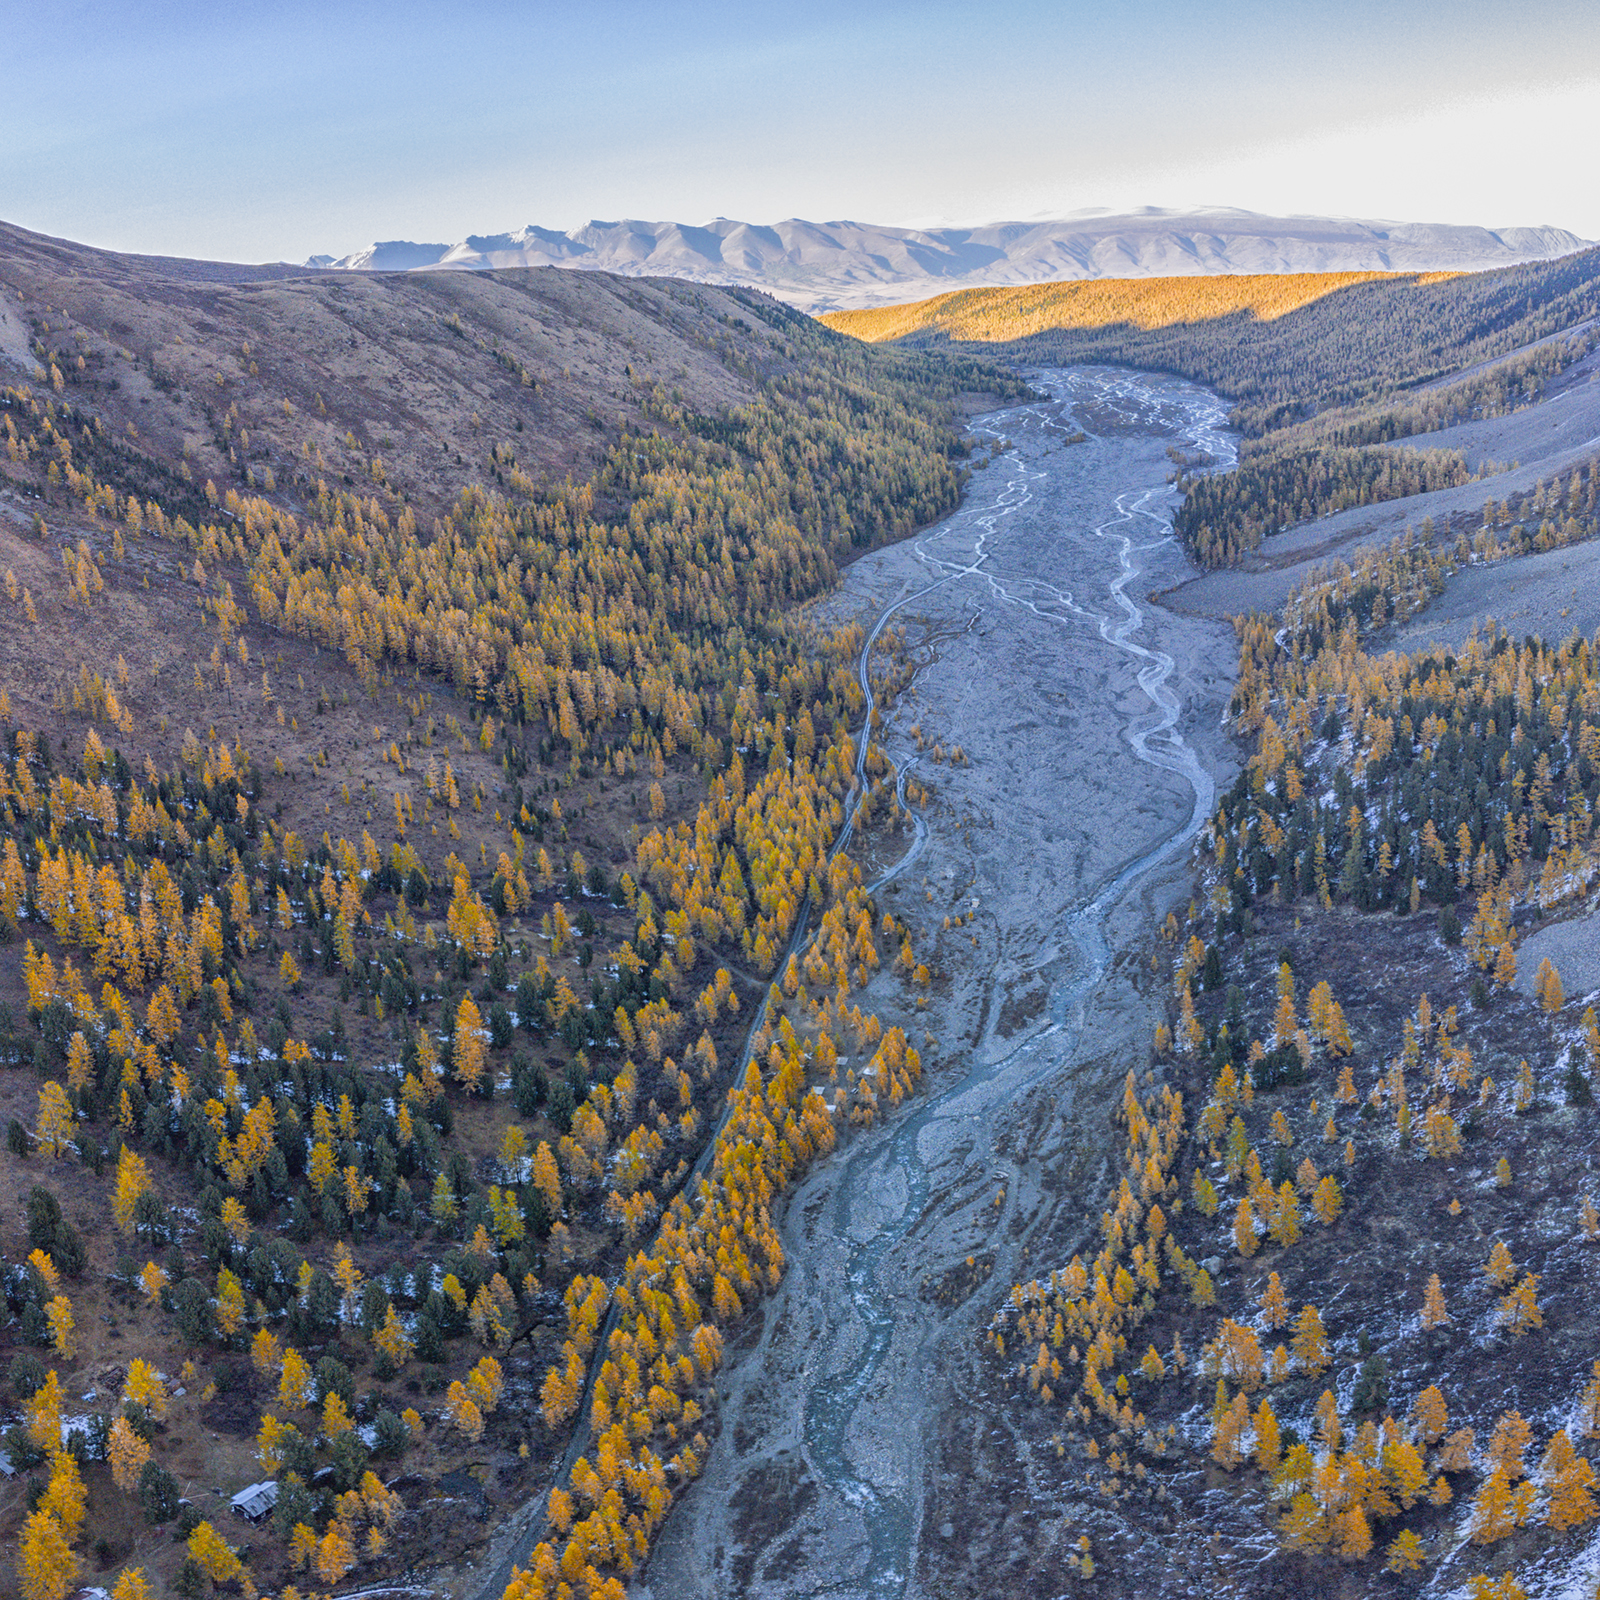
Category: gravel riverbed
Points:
column 1090, row 719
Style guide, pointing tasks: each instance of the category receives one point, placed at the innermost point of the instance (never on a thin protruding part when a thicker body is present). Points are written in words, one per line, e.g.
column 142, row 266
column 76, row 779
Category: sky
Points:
column 286, row 128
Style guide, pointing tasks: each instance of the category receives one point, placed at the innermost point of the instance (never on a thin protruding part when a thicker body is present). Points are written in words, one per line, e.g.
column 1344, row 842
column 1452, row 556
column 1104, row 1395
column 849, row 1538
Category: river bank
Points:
column 1090, row 725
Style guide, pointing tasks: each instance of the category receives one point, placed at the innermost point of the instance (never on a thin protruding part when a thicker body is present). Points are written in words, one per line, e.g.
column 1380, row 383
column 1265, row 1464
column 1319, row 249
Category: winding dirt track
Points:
column 1091, row 726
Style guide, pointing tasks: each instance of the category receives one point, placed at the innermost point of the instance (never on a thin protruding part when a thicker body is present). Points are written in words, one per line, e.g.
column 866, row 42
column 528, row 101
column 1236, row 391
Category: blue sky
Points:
column 275, row 130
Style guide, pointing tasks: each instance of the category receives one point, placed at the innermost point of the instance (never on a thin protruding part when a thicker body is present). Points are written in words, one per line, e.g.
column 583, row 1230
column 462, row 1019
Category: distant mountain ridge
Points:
column 821, row 266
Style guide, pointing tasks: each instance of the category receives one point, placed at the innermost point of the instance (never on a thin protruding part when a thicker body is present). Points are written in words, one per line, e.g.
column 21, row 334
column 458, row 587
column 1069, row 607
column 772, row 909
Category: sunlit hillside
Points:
column 1281, row 348
column 994, row 316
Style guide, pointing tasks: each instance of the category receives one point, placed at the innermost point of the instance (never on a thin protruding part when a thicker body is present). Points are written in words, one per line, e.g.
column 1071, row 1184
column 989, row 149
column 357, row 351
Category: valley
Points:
column 543, row 899
column 1405, row 1151
column 649, row 947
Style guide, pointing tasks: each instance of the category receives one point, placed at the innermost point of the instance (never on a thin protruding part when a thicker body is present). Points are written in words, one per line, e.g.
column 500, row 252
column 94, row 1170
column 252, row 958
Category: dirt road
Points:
column 1091, row 726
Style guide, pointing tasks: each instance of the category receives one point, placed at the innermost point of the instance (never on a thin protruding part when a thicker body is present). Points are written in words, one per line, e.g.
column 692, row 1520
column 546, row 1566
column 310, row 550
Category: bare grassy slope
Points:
column 405, row 381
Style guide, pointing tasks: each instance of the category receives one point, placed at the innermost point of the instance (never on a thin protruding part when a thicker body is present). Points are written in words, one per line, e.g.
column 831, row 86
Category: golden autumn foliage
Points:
column 216, row 1557
column 132, row 1585
column 46, row 1565
column 636, row 625
column 1002, row 315
column 128, row 1454
column 54, row 1126
column 144, row 1387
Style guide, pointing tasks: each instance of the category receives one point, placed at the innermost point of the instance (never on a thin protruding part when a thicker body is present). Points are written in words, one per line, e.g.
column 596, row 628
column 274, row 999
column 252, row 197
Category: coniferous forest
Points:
column 1320, row 381
column 457, row 1066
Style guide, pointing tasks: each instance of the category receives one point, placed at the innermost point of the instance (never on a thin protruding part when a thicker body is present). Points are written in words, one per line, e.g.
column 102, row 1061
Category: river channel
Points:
column 1089, row 718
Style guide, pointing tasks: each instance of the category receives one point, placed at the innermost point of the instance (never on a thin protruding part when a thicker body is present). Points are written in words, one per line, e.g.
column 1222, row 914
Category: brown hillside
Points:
column 401, row 383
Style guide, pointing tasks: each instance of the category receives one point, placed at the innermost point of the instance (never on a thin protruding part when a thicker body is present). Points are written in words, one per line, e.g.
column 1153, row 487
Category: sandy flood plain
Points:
column 844, row 1412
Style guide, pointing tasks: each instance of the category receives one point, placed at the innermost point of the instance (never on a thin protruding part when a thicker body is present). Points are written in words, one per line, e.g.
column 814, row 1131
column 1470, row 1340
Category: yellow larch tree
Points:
column 132, row 1585
column 230, row 1302
column 469, row 1058
column 1568, row 1478
column 302, row 1545
column 1285, row 1216
column 133, row 1180
column 42, row 1414
column 295, row 1386
column 1549, row 989
column 127, row 1453
column 266, row 1354
column 215, row 1555
column 63, row 1327
column 1500, row 1269
column 65, row 1498
column 1275, row 1310
column 1519, row 1310
column 1511, row 1438
column 46, row 1566
column 547, row 1178
column 1505, row 966
column 80, row 1064
column 54, row 1126
column 143, row 1386
column 391, row 1340
column 1404, row 1553
column 1494, row 1510
column 463, row 1412
column 1285, row 1021
column 1230, row 1440
column 1434, row 1314
column 270, row 1441
column 335, row 1554
column 1244, row 1228
column 336, row 1418
column 1430, row 1415
column 1354, row 1534
column 1310, row 1342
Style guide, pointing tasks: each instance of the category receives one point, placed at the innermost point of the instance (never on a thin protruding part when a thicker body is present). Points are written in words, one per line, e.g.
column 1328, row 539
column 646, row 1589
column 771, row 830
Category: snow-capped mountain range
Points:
column 823, row 265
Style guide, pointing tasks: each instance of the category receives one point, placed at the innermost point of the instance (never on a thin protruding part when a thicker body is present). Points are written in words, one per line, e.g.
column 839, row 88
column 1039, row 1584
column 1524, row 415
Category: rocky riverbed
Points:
column 1090, row 725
